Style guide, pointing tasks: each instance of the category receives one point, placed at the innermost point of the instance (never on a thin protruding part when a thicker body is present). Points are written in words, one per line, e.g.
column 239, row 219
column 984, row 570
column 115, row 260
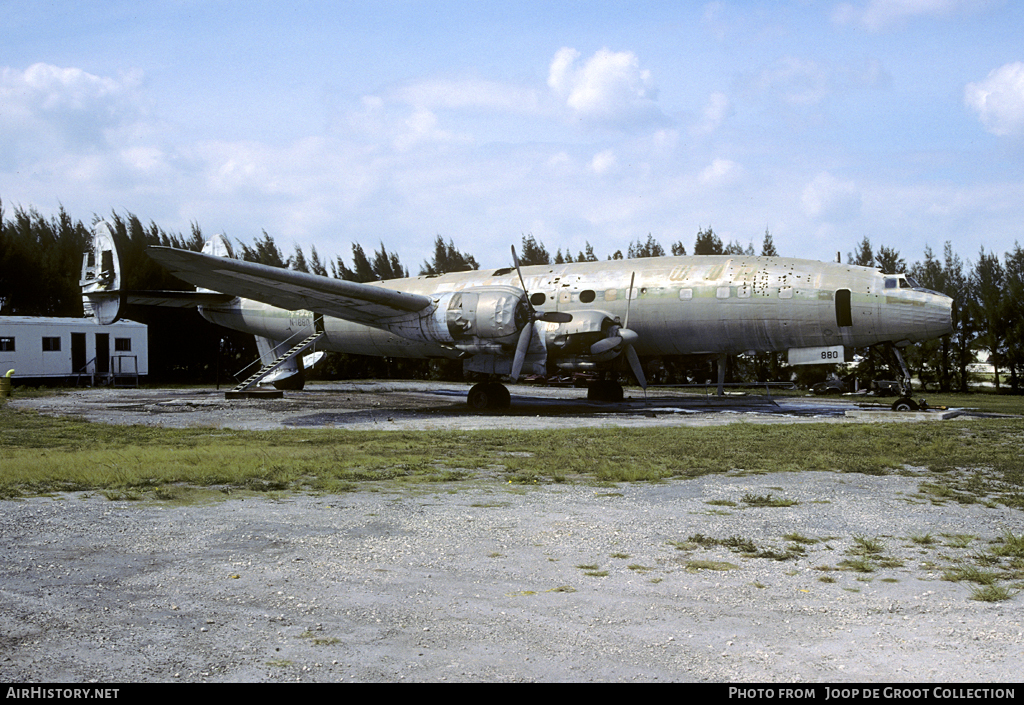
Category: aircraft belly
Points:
column 353, row 338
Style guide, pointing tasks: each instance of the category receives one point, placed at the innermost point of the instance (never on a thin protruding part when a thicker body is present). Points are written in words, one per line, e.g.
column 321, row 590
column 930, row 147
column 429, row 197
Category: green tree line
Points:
column 40, row 267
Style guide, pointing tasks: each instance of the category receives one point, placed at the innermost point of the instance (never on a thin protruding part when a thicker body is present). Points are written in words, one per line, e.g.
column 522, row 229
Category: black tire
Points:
column 478, row 398
column 295, row 383
column 604, row 390
column 488, row 395
column 905, row 404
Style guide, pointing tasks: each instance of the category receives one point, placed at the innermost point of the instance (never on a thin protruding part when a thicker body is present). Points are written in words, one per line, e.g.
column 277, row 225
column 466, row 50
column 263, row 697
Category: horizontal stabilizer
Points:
column 176, row 299
column 288, row 289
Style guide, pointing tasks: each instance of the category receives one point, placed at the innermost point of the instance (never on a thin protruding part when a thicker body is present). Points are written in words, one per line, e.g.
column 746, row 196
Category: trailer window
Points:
column 7, row 344
column 51, row 344
column 123, row 344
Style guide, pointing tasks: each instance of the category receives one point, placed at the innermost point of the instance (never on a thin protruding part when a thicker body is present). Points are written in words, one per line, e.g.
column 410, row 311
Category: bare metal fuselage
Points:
column 701, row 305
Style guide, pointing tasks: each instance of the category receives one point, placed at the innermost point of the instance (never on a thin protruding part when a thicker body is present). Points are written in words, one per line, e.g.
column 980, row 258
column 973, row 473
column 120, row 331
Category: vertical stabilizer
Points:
column 217, row 246
column 101, row 276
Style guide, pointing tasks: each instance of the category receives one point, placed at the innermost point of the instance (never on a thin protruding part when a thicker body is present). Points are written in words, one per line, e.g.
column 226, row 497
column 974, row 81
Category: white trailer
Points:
column 76, row 350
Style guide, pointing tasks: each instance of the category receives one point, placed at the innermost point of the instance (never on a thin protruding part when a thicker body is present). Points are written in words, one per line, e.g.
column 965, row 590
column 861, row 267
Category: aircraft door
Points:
column 844, row 308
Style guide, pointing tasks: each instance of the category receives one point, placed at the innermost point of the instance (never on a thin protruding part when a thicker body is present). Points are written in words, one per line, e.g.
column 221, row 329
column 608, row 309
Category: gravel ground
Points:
column 488, row 582
column 405, row 405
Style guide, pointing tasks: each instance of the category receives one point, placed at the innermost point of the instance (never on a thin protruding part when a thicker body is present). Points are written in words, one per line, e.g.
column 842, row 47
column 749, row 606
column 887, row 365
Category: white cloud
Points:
column 609, row 88
column 721, row 172
column 420, row 127
column 795, row 81
column 469, row 94
column 831, row 199
column 718, row 109
column 999, row 100
column 877, row 15
column 62, row 108
column 603, row 162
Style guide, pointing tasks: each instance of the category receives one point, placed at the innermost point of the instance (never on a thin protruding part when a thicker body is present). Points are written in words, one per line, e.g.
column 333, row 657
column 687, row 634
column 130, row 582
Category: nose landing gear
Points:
column 905, row 402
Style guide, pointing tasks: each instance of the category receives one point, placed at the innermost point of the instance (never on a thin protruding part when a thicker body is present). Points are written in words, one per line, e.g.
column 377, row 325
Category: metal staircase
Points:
column 296, row 349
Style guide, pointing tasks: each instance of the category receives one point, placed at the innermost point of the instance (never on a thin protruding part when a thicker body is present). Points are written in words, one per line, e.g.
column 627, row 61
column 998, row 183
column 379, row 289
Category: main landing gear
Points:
column 604, row 390
column 489, row 395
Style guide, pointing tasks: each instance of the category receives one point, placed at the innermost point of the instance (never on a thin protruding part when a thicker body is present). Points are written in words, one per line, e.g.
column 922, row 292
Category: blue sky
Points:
column 602, row 122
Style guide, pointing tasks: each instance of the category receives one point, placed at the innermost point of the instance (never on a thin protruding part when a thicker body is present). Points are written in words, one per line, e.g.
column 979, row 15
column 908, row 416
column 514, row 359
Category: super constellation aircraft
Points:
column 593, row 316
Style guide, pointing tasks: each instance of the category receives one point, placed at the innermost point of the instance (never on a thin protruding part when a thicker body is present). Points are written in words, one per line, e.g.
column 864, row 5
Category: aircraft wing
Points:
column 287, row 289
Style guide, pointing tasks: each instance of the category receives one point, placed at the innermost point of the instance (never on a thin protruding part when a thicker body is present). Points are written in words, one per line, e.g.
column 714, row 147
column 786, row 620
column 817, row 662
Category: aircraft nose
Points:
column 919, row 315
column 937, row 317
column 948, row 317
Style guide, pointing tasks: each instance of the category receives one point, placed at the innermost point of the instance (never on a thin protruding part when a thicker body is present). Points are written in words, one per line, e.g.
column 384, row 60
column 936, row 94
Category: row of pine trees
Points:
column 41, row 257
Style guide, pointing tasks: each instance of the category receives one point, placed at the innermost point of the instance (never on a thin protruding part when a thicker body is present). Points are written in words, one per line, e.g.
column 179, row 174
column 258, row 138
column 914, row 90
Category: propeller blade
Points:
column 629, row 300
column 605, row 344
column 547, row 316
column 522, row 346
column 515, row 261
column 634, row 364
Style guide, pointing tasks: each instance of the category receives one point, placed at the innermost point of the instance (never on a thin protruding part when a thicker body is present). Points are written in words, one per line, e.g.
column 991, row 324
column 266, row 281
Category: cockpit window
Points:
column 901, row 282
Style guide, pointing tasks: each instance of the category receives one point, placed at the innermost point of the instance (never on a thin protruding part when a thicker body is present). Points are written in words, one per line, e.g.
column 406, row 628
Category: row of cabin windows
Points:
column 52, row 344
column 723, row 292
column 844, row 310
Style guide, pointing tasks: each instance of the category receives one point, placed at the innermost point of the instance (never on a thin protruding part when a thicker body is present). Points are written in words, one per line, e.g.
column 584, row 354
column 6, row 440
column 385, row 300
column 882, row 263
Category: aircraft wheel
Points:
column 905, row 404
column 294, row 383
column 604, row 390
column 488, row 395
column 502, row 397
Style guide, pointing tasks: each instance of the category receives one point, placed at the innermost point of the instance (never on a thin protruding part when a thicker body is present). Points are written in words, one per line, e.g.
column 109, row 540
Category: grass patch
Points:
column 992, row 593
column 971, row 574
column 857, row 565
column 923, row 540
column 694, row 566
column 766, row 500
column 1009, row 545
column 864, row 546
column 44, row 455
column 800, row 538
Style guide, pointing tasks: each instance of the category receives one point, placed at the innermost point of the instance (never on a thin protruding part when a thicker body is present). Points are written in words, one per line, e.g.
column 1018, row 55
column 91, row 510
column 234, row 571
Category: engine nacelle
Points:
column 576, row 336
column 491, row 314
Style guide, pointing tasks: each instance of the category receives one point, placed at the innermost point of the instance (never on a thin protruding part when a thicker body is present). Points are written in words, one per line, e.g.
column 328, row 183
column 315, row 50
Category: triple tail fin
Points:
column 103, row 295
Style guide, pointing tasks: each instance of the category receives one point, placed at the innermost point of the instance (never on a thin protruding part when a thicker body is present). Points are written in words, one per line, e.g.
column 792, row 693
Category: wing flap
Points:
column 176, row 299
column 287, row 289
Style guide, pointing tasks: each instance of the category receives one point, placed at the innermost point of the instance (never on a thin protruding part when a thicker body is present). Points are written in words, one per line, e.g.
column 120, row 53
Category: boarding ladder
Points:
column 296, row 349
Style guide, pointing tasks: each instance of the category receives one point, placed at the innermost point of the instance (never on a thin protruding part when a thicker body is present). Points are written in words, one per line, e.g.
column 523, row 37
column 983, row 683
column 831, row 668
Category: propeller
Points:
column 526, row 335
column 622, row 335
